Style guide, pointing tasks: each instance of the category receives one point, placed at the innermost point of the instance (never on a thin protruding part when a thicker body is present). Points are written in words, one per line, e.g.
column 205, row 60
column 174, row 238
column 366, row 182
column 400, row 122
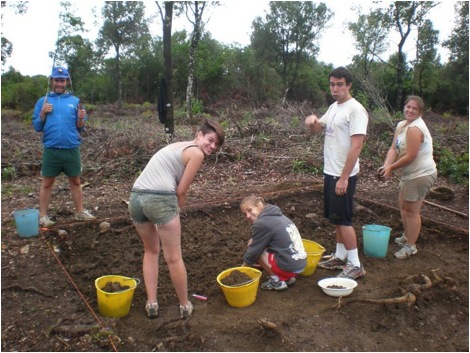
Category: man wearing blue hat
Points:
column 60, row 118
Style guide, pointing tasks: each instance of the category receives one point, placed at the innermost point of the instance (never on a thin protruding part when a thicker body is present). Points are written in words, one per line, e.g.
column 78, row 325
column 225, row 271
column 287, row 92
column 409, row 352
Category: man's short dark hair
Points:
column 341, row 72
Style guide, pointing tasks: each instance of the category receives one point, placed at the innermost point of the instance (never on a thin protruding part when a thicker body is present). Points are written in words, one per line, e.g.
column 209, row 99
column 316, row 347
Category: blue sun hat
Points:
column 59, row 72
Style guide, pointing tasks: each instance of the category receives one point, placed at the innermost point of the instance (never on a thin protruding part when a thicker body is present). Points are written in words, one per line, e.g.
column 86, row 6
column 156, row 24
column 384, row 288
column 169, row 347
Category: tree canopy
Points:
column 125, row 64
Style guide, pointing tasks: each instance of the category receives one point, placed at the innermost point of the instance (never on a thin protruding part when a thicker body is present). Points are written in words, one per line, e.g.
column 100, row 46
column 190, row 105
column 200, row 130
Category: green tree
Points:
column 21, row 92
column 405, row 16
column 371, row 33
column 427, row 60
column 194, row 13
column 454, row 87
column 289, row 35
column 73, row 51
column 123, row 23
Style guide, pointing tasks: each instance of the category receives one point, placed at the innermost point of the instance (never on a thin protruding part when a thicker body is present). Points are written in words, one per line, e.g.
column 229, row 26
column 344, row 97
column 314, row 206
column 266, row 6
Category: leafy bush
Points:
column 300, row 166
column 454, row 166
column 8, row 173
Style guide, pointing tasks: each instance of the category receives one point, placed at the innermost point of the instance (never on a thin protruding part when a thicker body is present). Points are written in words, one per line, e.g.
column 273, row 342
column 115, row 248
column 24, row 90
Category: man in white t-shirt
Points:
column 345, row 126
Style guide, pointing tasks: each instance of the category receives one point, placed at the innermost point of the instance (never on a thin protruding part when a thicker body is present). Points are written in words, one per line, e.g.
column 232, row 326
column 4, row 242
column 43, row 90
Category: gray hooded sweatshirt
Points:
column 279, row 235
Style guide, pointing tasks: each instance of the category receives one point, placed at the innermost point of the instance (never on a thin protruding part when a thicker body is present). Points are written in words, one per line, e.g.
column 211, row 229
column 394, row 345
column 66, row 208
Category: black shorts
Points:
column 338, row 209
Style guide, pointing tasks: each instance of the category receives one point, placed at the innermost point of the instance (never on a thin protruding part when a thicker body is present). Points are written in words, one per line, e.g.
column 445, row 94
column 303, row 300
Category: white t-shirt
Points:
column 423, row 164
column 341, row 121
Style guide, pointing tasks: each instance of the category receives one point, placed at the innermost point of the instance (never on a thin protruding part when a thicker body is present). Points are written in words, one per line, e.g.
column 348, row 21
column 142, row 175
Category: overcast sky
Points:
column 34, row 34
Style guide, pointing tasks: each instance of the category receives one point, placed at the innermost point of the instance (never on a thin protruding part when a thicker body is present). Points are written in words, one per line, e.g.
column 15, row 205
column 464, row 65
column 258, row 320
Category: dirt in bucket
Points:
column 236, row 278
column 114, row 287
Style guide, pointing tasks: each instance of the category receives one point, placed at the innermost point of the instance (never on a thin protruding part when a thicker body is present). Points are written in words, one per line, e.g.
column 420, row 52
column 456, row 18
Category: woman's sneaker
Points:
column 46, row 222
column 84, row 216
column 152, row 310
column 186, row 310
column 401, row 240
column 406, row 251
column 334, row 263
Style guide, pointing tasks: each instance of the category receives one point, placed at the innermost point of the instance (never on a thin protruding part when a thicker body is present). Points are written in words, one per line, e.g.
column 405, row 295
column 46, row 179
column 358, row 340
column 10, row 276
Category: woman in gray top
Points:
column 155, row 201
column 275, row 245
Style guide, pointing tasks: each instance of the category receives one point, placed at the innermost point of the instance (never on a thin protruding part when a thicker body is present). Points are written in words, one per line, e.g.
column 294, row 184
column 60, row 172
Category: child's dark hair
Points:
column 341, row 72
column 213, row 126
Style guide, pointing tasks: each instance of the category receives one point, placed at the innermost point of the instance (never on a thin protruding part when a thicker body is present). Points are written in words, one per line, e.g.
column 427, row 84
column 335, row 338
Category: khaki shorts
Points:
column 417, row 189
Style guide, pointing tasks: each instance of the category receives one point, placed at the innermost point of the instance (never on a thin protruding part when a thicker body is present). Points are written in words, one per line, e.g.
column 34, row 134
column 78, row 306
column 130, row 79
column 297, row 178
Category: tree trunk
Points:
column 189, row 87
column 167, row 23
column 119, row 78
column 399, row 77
column 192, row 52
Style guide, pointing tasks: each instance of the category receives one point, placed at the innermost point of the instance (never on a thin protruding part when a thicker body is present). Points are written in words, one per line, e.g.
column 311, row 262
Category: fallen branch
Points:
column 445, row 208
column 408, row 298
column 425, row 220
column 418, row 287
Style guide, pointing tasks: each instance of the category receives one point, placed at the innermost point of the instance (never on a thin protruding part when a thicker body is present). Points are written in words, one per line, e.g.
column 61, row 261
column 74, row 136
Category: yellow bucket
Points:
column 314, row 254
column 245, row 294
column 119, row 303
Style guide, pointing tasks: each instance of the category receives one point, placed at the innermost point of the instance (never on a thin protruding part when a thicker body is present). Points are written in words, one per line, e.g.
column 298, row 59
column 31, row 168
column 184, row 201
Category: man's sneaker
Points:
column 152, row 310
column 406, row 251
column 334, row 263
column 272, row 284
column 84, row 216
column 46, row 222
column 291, row 281
column 186, row 310
column 352, row 272
column 401, row 240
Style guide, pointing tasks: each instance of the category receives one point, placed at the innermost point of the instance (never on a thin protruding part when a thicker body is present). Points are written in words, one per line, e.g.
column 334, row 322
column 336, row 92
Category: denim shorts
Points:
column 158, row 207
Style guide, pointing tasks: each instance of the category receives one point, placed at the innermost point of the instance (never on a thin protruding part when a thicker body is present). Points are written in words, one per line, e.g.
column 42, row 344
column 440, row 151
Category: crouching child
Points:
column 275, row 244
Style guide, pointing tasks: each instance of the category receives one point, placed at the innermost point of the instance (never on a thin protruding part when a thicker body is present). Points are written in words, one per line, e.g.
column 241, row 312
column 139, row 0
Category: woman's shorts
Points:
column 416, row 189
column 158, row 207
column 58, row 160
column 338, row 209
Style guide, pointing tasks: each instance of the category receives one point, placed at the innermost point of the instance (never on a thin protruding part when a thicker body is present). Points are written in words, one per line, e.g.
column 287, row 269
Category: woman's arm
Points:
column 385, row 171
column 194, row 157
column 414, row 137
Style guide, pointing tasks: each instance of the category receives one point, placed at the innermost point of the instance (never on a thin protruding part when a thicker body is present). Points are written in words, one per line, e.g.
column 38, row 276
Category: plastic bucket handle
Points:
column 137, row 282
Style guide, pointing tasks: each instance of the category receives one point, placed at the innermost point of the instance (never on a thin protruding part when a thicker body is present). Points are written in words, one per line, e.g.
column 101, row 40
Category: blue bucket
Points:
column 375, row 238
column 27, row 222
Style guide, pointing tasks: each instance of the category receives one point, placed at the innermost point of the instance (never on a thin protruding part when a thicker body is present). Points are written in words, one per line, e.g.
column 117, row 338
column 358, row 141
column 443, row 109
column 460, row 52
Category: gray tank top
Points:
column 164, row 170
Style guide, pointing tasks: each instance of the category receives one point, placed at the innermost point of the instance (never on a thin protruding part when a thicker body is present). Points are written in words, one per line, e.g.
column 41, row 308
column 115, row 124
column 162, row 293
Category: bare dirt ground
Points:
column 49, row 300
